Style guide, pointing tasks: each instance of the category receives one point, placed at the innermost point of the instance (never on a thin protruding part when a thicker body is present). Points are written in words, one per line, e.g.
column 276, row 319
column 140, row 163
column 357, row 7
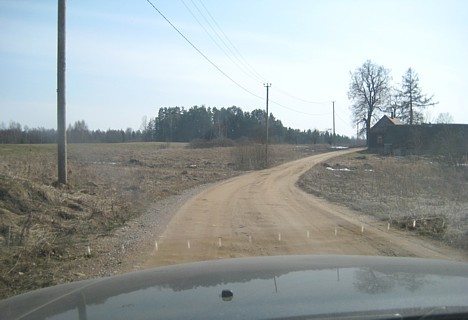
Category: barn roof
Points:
column 395, row 121
column 386, row 121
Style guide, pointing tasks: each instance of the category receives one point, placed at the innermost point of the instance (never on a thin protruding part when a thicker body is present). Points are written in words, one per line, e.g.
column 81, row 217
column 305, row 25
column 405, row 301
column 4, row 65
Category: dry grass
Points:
column 45, row 230
column 400, row 190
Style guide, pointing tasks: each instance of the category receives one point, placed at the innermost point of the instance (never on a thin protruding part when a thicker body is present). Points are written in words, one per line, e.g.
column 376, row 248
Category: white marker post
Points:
column 279, row 236
column 188, row 244
column 362, row 228
column 156, row 245
column 219, row 242
column 9, row 235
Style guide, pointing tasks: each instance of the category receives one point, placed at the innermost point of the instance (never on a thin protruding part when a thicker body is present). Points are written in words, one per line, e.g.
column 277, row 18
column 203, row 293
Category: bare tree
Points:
column 411, row 100
column 444, row 117
column 79, row 132
column 394, row 103
column 369, row 90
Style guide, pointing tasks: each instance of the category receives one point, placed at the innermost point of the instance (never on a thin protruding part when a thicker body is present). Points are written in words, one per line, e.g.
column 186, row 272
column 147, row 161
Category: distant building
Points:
column 389, row 136
column 379, row 131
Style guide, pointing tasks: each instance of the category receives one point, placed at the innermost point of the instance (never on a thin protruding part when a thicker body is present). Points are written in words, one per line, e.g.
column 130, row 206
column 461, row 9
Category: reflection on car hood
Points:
column 263, row 287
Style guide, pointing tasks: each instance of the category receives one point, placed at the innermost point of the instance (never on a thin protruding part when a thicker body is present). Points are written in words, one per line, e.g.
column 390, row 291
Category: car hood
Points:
column 258, row 288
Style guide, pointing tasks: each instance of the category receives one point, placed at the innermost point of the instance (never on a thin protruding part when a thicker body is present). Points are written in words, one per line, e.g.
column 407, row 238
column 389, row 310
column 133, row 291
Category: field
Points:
column 54, row 234
column 418, row 194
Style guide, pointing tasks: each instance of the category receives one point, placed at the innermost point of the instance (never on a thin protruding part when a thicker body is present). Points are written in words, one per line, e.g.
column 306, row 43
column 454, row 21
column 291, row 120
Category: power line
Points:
column 213, row 39
column 224, row 73
column 344, row 121
column 297, row 111
column 300, row 99
column 242, row 59
column 201, row 53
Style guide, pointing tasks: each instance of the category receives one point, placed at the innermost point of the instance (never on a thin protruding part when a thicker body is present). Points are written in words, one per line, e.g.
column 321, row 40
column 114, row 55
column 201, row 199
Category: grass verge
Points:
column 415, row 193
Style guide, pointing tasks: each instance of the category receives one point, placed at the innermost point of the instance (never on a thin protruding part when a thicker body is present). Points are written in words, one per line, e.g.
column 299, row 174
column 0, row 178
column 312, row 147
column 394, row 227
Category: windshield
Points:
column 142, row 134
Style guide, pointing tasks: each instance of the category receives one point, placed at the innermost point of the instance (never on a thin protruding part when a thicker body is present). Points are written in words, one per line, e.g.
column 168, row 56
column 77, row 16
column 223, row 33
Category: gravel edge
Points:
column 128, row 247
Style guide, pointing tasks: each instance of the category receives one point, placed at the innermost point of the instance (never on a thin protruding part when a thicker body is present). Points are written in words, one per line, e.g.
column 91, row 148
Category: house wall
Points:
column 436, row 139
column 377, row 133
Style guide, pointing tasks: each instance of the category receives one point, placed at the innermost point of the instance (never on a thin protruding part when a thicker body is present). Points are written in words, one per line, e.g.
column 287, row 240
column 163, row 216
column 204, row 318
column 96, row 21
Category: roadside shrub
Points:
column 249, row 157
column 214, row 143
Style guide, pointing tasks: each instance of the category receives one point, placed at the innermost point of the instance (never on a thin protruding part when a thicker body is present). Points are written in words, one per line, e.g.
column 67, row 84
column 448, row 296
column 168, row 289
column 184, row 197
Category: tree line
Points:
column 76, row 133
column 178, row 124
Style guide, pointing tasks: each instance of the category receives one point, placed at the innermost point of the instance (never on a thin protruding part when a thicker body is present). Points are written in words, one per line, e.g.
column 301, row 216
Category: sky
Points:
column 125, row 61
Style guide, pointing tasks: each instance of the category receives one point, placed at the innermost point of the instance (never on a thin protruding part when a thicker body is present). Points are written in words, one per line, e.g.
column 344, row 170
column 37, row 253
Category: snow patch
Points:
column 338, row 169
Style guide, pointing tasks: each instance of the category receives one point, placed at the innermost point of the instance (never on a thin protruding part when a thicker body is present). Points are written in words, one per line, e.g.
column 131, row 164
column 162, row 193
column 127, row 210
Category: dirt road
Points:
column 265, row 213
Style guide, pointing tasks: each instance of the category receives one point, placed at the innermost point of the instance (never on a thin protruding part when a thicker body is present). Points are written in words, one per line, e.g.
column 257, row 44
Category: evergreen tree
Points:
column 410, row 100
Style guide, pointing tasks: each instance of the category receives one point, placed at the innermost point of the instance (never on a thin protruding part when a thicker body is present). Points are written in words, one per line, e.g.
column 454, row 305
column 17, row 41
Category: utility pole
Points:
column 411, row 104
column 333, row 137
column 267, row 85
column 61, row 114
column 357, row 131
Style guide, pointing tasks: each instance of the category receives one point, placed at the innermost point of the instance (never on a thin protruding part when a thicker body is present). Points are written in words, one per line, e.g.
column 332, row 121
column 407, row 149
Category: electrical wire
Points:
column 213, row 39
column 300, row 99
column 297, row 111
column 242, row 59
column 224, row 73
column 344, row 121
column 201, row 53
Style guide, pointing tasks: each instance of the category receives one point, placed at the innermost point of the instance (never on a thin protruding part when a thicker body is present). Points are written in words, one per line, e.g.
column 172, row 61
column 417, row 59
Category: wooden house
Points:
column 389, row 136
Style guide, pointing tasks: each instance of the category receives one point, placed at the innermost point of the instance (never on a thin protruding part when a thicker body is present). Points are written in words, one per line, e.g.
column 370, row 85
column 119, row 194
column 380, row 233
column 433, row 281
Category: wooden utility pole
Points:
column 61, row 114
column 333, row 137
column 357, row 131
column 267, row 85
